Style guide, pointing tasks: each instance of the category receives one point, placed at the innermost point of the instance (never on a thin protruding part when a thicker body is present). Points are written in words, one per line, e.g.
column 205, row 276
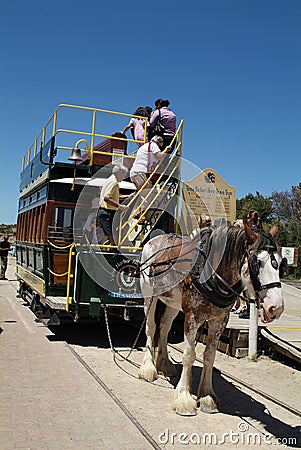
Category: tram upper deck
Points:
column 50, row 171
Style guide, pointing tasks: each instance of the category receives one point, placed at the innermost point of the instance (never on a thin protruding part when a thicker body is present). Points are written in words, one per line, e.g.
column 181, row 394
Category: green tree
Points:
column 7, row 229
column 287, row 209
column 283, row 208
column 258, row 203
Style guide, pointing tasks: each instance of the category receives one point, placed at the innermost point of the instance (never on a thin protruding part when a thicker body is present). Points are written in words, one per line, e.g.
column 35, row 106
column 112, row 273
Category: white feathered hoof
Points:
column 184, row 404
column 148, row 371
column 207, row 405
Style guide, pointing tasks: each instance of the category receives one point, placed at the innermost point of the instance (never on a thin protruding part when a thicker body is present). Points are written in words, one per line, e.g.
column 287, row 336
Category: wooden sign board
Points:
column 208, row 194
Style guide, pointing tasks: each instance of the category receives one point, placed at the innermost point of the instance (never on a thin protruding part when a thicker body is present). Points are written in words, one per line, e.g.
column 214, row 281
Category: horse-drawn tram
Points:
column 65, row 264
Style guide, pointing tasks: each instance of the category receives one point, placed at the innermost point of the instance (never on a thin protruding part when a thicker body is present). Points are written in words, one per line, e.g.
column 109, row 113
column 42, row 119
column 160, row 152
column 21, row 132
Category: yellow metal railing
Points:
column 70, row 276
column 51, row 129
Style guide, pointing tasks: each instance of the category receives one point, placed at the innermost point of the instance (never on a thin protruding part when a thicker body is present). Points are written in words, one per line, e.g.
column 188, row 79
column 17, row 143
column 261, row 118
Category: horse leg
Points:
column 163, row 363
column 184, row 403
column 207, row 399
column 148, row 370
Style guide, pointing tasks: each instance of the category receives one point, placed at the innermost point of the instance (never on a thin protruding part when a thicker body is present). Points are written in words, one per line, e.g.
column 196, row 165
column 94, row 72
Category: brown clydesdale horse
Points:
column 202, row 276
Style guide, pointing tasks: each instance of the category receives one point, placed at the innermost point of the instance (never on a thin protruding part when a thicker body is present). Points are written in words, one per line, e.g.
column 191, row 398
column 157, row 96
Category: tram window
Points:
column 19, row 255
column 63, row 217
column 38, row 260
column 24, row 257
column 30, row 259
column 43, row 193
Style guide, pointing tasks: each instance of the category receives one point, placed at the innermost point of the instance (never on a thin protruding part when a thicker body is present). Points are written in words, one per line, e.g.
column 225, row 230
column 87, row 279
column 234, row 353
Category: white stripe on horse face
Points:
column 272, row 302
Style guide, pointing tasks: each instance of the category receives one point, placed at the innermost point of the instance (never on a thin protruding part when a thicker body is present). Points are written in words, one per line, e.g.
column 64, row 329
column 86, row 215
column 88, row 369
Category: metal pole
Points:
column 253, row 330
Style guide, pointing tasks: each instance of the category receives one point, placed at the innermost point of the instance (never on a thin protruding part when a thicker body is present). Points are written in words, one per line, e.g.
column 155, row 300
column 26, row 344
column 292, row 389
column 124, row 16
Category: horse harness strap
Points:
column 216, row 290
column 270, row 247
column 170, row 260
column 213, row 287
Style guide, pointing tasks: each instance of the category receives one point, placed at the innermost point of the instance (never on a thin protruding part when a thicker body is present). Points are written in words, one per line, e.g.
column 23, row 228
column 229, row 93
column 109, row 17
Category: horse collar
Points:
column 215, row 289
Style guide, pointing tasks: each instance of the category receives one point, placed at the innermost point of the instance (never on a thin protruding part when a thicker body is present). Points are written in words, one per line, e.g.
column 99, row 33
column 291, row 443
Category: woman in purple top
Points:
column 167, row 119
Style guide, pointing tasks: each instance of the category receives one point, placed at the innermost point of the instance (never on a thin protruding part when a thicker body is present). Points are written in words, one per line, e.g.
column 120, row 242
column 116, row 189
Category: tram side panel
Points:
column 105, row 280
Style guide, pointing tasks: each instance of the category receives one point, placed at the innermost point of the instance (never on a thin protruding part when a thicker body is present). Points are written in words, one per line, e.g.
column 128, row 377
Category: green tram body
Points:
column 51, row 265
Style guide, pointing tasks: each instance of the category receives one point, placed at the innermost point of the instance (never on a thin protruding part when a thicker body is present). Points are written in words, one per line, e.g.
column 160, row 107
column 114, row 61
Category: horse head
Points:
column 262, row 266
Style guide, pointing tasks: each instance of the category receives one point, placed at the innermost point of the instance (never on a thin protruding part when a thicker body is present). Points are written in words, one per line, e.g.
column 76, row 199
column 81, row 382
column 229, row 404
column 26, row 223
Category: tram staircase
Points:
column 135, row 227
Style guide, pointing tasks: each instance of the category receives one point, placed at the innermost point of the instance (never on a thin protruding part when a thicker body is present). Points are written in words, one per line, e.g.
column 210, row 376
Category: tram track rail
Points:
column 257, row 391
column 268, row 397
column 108, row 391
column 263, row 394
column 135, row 421
column 174, row 347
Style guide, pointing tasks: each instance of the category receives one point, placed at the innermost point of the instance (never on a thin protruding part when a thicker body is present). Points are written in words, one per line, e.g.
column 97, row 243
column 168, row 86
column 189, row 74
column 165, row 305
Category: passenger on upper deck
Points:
column 109, row 200
column 167, row 118
column 137, row 126
column 147, row 158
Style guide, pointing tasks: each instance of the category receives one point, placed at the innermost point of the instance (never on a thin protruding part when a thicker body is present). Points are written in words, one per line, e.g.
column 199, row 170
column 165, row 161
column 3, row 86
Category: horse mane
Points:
column 231, row 241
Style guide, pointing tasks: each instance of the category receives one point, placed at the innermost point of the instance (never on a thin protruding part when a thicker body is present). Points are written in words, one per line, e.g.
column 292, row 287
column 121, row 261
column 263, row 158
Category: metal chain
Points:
column 136, row 339
column 108, row 329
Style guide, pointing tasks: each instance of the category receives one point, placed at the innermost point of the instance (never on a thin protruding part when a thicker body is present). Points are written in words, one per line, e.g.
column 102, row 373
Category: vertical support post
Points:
column 253, row 330
column 92, row 138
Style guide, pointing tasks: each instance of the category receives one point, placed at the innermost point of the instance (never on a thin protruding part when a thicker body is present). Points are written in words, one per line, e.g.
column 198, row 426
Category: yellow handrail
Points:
column 40, row 139
column 57, row 246
column 69, row 276
column 57, row 274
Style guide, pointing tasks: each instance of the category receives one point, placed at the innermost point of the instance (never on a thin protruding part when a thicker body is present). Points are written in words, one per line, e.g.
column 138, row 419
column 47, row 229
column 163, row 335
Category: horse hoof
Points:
column 185, row 405
column 207, row 405
column 148, row 373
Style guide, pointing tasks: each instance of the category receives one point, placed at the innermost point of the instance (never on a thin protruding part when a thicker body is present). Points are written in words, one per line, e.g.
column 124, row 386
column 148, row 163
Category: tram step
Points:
column 56, row 302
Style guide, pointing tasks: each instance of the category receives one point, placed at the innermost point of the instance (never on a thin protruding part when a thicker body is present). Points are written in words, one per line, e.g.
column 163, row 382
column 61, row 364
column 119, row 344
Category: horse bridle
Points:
column 254, row 264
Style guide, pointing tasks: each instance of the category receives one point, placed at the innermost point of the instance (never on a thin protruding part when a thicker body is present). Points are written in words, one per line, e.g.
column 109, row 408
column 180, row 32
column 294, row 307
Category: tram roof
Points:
column 96, row 182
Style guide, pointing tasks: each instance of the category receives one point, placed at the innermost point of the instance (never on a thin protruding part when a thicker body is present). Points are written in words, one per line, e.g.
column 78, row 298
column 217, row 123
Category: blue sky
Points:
column 230, row 68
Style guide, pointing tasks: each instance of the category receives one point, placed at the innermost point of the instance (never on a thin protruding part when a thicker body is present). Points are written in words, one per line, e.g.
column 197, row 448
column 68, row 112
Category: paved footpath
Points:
column 48, row 399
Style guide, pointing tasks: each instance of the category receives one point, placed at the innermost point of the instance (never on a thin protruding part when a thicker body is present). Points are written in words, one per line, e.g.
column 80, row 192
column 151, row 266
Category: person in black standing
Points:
column 4, row 249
